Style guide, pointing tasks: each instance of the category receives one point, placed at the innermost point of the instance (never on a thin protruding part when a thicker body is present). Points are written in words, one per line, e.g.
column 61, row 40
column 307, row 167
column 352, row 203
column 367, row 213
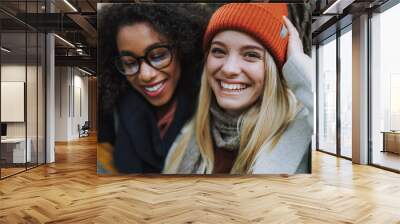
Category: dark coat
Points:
column 138, row 145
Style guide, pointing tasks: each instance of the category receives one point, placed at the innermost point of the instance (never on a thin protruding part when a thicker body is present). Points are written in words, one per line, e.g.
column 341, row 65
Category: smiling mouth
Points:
column 232, row 87
column 154, row 90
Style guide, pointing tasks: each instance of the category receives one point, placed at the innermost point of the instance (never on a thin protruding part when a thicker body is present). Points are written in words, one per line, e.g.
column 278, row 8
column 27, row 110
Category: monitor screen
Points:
column 3, row 129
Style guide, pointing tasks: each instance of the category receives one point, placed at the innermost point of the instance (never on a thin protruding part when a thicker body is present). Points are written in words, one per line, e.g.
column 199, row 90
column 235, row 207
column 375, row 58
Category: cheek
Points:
column 211, row 71
column 133, row 80
column 212, row 64
column 258, row 78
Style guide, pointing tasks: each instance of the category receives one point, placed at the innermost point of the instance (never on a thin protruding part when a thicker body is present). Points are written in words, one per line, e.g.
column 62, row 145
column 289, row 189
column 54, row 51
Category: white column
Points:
column 50, row 93
column 360, row 90
column 314, row 89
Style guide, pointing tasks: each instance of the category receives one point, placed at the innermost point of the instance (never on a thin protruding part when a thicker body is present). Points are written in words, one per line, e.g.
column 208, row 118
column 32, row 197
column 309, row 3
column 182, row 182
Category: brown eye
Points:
column 128, row 60
column 252, row 56
column 129, row 63
column 158, row 54
column 217, row 52
column 159, row 57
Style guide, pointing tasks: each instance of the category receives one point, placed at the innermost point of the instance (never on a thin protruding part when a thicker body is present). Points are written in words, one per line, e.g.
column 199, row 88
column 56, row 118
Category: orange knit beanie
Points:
column 263, row 21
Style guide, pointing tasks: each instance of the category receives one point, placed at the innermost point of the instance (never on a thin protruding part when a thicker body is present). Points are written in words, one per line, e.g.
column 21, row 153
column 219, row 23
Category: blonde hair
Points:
column 261, row 125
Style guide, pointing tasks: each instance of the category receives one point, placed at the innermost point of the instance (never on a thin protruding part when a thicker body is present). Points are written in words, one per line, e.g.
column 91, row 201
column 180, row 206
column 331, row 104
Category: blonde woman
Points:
column 255, row 107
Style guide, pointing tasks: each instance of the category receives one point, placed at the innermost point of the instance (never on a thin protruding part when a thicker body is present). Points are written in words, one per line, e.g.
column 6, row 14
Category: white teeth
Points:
column 154, row 88
column 232, row 86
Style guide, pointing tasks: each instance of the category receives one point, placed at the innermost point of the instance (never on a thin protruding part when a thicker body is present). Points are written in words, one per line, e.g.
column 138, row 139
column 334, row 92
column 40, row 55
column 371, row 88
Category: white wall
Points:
column 16, row 73
column 71, row 94
column 80, row 110
column 61, row 103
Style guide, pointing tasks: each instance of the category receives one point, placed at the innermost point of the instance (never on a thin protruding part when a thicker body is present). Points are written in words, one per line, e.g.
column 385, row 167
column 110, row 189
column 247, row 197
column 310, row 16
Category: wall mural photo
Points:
column 199, row 88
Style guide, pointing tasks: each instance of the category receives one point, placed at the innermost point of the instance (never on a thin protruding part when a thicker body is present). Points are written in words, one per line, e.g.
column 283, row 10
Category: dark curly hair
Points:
column 182, row 24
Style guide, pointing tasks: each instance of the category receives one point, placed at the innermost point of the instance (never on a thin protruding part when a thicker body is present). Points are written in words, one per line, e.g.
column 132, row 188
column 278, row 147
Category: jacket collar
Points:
column 140, row 120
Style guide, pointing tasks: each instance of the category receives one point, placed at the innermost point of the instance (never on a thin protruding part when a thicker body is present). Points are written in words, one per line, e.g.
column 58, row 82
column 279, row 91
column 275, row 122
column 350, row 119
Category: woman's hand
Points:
column 300, row 72
column 294, row 46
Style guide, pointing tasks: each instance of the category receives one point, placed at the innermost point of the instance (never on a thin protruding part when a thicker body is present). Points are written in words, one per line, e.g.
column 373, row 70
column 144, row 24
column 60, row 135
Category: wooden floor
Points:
column 10, row 171
column 70, row 191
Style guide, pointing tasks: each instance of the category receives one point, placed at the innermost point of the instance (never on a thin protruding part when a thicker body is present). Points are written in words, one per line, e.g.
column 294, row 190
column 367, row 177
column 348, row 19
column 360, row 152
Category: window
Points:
column 346, row 93
column 327, row 96
column 385, row 89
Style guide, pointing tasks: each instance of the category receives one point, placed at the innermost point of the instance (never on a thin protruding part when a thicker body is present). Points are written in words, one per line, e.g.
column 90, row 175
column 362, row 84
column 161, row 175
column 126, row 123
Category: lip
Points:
column 155, row 93
column 153, row 84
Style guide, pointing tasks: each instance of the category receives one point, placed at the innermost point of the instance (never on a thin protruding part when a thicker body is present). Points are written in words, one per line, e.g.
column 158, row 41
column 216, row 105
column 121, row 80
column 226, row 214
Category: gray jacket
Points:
column 292, row 154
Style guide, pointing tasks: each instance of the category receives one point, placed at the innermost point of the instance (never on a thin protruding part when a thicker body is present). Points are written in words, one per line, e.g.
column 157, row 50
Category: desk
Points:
column 391, row 141
column 15, row 148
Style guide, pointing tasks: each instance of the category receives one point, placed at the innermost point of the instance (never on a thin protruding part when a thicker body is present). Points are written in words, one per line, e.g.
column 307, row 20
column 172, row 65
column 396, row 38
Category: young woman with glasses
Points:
column 151, row 58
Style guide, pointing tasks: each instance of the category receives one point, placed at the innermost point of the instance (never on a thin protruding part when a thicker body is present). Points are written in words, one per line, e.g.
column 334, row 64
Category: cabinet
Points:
column 391, row 141
column 13, row 150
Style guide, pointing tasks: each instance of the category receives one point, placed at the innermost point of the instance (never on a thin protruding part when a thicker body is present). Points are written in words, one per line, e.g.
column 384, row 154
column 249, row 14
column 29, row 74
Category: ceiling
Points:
column 76, row 22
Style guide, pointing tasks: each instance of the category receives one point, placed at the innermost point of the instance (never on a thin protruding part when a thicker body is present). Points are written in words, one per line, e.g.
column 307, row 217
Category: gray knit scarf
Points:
column 225, row 133
column 224, row 128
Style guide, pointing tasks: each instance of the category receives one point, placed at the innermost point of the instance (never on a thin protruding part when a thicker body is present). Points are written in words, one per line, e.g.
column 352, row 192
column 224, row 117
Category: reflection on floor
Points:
column 386, row 159
column 346, row 152
column 9, row 169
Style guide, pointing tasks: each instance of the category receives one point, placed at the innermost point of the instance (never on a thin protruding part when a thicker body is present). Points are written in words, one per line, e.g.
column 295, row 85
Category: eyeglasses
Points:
column 158, row 57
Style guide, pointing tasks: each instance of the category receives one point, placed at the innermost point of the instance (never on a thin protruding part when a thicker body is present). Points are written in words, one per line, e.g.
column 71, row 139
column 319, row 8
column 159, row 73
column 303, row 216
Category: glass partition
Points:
column 327, row 96
column 22, row 64
column 385, row 89
column 14, row 152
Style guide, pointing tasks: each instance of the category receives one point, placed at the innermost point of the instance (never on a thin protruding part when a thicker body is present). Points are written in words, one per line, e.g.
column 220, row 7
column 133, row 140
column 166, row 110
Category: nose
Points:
column 146, row 72
column 231, row 66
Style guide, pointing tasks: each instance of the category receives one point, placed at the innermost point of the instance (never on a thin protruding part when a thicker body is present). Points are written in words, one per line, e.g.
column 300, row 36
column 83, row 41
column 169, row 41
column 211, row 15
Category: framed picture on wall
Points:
column 201, row 88
column 12, row 101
